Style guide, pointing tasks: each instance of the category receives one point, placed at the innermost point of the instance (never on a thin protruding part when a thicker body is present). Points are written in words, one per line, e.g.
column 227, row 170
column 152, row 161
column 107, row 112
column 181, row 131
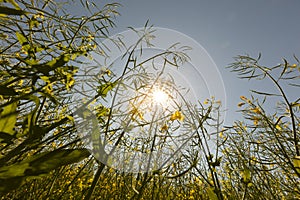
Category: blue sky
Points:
column 225, row 28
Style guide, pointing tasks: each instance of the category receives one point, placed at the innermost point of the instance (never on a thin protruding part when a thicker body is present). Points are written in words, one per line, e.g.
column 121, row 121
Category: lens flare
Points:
column 159, row 96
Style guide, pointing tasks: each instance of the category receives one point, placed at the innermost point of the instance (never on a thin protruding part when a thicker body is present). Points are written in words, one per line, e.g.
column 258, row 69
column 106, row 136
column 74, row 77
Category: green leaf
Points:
column 105, row 88
column 31, row 117
column 6, row 91
column 295, row 104
column 211, row 194
column 38, row 165
column 13, row 184
column 55, row 63
column 16, row 170
column 296, row 162
column 6, row 138
column 8, row 118
column 101, row 111
column 33, row 23
column 286, row 64
column 264, row 93
column 43, row 163
column 22, row 39
column 11, row 11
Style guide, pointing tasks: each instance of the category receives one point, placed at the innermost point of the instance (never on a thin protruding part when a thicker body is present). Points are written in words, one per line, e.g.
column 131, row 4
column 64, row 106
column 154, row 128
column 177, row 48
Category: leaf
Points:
column 13, row 184
column 48, row 161
column 6, row 91
column 33, row 23
column 22, row 39
column 32, row 114
column 211, row 194
column 6, row 138
column 8, row 118
column 38, row 165
column 57, row 62
column 11, row 11
column 264, row 93
column 295, row 104
column 296, row 162
column 105, row 88
column 294, row 85
column 286, row 64
column 16, row 170
column 43, row 163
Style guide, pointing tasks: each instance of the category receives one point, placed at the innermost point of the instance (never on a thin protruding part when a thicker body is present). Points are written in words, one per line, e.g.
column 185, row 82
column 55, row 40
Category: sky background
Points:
column 225, row 28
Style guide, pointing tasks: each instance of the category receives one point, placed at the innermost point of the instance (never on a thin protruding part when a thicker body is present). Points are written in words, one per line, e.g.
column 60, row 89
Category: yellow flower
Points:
column 293, row 66
column 80, row 184
column 241, row 104
column 255, row 110
column 221, row 134
column 278, row 127
column 39, row 15
column 177, row 116
column 206, row 101
column 164, row 128
column 108, row 72
column 243, row 98
column 255, row 122
column 53, row 144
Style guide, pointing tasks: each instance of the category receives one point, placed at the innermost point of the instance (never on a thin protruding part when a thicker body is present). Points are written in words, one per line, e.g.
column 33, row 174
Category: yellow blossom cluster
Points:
column 255, row 110
column 164, row 128
column 177, row 115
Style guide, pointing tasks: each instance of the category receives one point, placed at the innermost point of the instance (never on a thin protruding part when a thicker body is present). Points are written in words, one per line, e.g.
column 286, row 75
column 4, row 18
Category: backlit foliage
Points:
column 44, row 52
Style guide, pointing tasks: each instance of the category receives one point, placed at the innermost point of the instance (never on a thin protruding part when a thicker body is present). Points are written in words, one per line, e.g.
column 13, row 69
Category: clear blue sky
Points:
column 225, row 28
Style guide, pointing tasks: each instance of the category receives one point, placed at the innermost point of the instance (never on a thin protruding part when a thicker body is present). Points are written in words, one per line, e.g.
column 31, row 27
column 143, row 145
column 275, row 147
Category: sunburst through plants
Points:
column 159, row 96
column 142, row 121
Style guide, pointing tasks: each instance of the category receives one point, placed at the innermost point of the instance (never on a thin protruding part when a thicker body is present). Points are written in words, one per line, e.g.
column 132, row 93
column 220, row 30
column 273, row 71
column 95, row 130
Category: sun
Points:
column 160, row 96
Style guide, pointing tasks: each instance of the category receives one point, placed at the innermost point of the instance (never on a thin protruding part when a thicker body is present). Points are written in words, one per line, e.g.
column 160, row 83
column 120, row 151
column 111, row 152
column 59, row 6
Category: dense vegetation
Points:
column 43, row 49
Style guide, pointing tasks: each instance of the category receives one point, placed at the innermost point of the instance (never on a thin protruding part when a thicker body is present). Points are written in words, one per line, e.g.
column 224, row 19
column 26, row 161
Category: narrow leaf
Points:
column 296, row 162
column 43, row 163
column 11, row 11
column 264, row 93
column 105, row 88
column 6, row 138
column 12, row 176
column 211, row 194
column 284, row 68
column 7, row 91
column 13, row 184
column 22, row 39
column 8, row 118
